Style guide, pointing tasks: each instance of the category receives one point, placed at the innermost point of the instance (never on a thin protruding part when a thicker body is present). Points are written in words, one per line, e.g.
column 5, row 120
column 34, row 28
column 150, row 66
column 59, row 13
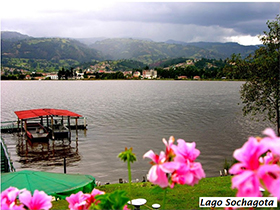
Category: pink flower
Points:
column 248, row 156
column 91, row 199
column 190, row 172
column 40, row 200
column 270, row 174
column 9, row 198
column 187, row 150
column 168, row 145
column 252, row 170
column 78, row 201
column 247, row 180
column 269, row 158
column 176, row 164
column 272, row 142
column 247, row 184
column 126, row 208
column 158, row 172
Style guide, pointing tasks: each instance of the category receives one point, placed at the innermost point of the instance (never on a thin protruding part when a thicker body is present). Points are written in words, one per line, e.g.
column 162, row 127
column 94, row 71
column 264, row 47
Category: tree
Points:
column 261, row 92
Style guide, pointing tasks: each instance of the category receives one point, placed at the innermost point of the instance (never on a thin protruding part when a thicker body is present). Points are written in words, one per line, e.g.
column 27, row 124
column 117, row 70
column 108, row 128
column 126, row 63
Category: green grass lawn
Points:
column 180, row 197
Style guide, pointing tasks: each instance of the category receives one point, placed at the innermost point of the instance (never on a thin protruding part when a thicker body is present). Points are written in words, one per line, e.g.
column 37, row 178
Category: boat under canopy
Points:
column 56, row 130
column 55, row 184
column 36, row 132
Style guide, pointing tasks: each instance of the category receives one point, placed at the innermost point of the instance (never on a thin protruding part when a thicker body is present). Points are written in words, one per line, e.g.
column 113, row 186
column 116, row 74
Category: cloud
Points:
column 184, row 21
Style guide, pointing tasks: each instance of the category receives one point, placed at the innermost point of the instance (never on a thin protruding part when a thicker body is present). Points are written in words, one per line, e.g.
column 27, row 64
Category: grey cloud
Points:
column 184, row 21
column 228, row 15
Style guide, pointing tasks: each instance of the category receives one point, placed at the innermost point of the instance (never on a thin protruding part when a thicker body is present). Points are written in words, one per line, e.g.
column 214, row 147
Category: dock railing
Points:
column 9, row 126
column 7, row 163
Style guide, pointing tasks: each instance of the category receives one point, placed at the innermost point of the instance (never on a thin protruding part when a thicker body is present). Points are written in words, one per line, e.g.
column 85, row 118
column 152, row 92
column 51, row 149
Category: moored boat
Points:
column 59, row 131
column 36, row 132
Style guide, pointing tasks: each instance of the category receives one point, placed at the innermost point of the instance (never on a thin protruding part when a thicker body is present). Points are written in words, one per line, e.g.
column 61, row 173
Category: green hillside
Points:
column 226, row 49
column 20, row 51
column 51, row 49
column 148, row 51
column 43, row 54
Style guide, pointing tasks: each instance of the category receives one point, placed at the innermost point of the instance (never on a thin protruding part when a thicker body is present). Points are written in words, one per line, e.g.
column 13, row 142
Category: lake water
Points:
column 134, row 114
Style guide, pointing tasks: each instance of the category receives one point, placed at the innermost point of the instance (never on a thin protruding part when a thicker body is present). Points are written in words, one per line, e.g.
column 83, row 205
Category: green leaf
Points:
column 127, row 155
column 114, row 200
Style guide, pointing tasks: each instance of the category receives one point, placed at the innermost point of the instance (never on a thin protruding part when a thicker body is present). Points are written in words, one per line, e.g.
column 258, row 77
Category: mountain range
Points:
column 16, row 45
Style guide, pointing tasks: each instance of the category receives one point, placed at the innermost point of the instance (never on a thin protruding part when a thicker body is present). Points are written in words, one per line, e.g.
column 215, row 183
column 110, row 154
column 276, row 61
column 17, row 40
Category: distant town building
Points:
column 27, row 76
column 196, row 77
column 79, row 75
column 149, row 74
column 182, row 77
column 136, row 74
column 127, row 73
column 52, row 76
column 189, row 62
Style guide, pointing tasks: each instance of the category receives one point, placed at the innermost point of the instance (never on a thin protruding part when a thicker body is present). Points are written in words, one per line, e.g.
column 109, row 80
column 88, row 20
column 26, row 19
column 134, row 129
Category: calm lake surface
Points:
column 134, row 114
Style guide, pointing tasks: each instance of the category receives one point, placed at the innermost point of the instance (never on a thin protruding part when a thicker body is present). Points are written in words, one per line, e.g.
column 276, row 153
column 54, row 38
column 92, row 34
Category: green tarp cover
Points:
column 55, row 184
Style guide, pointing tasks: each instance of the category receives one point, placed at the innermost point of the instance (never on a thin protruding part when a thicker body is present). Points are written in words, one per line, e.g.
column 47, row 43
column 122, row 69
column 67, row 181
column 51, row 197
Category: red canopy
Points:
column 34, row 113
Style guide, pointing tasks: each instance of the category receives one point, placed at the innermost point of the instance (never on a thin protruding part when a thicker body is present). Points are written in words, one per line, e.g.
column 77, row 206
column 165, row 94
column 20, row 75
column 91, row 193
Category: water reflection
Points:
column 51, row 153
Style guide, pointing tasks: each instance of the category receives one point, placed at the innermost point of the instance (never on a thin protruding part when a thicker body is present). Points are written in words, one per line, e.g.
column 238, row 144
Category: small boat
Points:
column 36, row 132
column 58, row 131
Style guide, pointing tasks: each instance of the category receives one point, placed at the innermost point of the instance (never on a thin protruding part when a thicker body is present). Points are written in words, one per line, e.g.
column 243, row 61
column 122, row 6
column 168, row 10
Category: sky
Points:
column 159, row 21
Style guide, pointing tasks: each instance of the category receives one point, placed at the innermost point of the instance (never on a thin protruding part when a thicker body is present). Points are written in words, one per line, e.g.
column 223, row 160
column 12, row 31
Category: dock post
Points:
column 52, row 127
column 47, row 121
column 64, row 164
column 25, row 126
column 21, row 124
column 76, row 127
column 18, row 125
column 76, row 132
column 69, row 128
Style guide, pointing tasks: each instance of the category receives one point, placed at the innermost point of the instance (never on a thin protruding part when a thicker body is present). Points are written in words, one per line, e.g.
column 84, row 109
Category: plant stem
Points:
column 164, row 198
column 129, row 176
column 129, row 181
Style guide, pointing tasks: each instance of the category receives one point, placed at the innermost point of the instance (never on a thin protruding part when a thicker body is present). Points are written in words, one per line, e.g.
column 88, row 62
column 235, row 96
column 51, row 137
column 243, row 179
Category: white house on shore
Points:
column 52, row 76
column 149, row 74
column 79, row 75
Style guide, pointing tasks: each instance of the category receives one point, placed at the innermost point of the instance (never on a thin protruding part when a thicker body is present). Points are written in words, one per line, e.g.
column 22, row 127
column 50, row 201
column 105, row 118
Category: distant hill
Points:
column 52, row 53
column 148, row 51
column 225, row 49
column 90, row 41
column 51, row 49
column 13, row 36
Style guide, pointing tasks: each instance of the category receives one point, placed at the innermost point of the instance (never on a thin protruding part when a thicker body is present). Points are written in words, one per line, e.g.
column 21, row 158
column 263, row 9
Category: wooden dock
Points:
column 9, row 126
column 12, row 126
column 6, row 163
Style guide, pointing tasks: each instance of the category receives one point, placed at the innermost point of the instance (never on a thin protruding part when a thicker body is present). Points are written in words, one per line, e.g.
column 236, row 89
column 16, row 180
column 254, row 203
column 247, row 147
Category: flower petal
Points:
column 150, row 154
column 247, row 184
column 270, row 174
column 169, row 167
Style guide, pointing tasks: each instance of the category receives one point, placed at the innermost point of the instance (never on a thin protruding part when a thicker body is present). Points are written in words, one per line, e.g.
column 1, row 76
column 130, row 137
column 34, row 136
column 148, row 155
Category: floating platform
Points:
column 12, row 126
column 51, row 119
